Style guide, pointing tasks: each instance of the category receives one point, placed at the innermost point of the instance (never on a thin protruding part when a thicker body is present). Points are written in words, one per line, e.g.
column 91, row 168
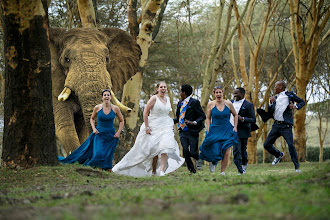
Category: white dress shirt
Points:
column 186, row 99
column 282, row 103
column 237, row 107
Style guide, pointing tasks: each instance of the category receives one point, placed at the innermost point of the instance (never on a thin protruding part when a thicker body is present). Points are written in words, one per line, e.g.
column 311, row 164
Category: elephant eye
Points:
column 107, row 59
column 67, row 59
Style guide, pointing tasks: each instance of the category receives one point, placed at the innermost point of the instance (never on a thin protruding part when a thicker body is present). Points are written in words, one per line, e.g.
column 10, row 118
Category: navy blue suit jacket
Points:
column 287, row 114
column 194, row 112
column 244, row 128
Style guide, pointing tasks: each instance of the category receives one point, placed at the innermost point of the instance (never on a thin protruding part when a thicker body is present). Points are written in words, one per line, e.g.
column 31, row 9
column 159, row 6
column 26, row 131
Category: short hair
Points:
column 283, row 84
column 241, row 90
column 186, row 89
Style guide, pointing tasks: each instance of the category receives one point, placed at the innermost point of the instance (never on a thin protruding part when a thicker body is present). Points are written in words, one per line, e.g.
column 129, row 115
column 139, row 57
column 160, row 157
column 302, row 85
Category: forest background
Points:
column 202, row 44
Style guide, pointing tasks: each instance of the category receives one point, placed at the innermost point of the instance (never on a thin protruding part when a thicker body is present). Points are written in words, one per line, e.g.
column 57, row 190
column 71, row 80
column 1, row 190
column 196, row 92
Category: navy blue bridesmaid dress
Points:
column 98, row 149
column 220, row 136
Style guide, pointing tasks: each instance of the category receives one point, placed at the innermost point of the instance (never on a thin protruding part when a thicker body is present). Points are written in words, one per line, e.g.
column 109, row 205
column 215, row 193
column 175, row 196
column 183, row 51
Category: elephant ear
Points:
column 125, row 56
column 56, row 36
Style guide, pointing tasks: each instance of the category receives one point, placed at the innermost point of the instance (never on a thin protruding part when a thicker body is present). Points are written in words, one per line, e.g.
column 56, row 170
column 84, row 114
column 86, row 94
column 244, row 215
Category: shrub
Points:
column 312, row 154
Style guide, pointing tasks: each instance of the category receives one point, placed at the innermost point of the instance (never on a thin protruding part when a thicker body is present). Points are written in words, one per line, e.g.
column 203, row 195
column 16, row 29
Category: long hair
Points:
column 157, row 86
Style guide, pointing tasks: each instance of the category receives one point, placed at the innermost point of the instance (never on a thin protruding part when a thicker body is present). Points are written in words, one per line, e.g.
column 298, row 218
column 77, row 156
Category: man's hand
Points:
column 189, row 122
column 272, row 99
column 292, row 106
column 240, row 118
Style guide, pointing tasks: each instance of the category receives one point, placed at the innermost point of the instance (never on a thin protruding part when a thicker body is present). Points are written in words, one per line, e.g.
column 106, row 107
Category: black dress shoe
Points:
column 192, row 171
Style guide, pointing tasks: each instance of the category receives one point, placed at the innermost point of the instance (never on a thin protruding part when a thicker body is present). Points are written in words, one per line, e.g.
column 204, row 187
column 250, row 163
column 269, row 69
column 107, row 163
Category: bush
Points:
column 312, row 154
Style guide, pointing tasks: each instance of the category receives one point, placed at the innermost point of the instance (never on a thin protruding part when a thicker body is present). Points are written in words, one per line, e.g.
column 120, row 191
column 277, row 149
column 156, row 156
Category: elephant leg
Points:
column 83, row 134
column 81, row 127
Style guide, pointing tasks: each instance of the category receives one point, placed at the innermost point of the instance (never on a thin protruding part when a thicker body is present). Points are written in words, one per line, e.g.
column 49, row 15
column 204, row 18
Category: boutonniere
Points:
column 291, row 95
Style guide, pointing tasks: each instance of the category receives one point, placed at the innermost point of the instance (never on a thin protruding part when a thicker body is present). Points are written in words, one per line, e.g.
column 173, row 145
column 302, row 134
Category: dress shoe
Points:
column 199, row 164
column 277, row 159
column 192, row 171
column 244, row 168
column 212, row 167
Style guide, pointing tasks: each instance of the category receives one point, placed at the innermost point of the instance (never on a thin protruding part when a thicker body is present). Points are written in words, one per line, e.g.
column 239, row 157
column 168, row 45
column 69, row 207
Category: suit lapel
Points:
column 241, row 106
column 189, row 103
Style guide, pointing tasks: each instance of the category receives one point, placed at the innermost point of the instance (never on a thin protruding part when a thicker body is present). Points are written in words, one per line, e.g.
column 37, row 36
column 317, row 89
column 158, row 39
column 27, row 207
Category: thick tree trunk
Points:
column 29, row 133
column 299, row 123
column 300, row 134
column 305, row 36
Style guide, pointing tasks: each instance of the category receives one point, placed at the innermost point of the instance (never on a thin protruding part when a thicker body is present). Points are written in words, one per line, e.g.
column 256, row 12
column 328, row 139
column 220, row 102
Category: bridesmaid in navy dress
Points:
column 221, row 135
column 98, row 149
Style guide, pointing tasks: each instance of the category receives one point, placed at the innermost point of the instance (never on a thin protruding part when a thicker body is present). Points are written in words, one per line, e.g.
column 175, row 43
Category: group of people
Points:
column 156, row 152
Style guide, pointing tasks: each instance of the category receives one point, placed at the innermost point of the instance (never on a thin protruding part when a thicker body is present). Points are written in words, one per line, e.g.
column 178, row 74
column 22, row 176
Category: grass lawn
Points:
column 77, row 192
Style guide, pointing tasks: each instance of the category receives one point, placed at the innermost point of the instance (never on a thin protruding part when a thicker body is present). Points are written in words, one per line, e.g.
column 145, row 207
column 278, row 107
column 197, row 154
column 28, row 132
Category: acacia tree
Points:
column 29, row 132
column 251, row 77
column 216, row 56
column 307, row 24
column 149, row 18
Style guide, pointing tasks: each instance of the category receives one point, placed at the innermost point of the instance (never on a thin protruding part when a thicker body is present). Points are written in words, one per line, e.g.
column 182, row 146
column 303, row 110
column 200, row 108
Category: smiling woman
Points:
column 98, row 149
column 155, row 150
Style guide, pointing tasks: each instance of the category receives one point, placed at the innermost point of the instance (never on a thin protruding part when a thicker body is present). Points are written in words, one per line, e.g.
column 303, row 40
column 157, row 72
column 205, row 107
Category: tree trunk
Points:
column 132, row 89
column 87, row 13
column 320, row 137
column 251, row 80
column 300, row 134
column 29, row 132
column 305, row 36
column 133, row 25
column 210, row 78
column 264, row 136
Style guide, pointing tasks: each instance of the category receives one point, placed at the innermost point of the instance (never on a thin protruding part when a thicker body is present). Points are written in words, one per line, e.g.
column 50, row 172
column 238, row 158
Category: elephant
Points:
column 84, row 61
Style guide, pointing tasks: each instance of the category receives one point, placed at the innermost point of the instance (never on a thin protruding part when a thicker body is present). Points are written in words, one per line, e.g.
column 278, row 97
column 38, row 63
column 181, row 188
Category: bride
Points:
column 155, row 150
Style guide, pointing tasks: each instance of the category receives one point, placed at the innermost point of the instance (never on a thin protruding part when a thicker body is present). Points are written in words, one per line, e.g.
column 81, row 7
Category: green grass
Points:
column 76, row 192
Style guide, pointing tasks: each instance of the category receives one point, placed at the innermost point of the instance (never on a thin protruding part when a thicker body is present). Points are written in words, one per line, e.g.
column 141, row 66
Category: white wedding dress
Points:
column 138, row 161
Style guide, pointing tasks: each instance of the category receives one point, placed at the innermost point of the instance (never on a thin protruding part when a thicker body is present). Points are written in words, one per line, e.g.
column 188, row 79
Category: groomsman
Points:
column 280, row 109
column 190, row 118
column 246, row 124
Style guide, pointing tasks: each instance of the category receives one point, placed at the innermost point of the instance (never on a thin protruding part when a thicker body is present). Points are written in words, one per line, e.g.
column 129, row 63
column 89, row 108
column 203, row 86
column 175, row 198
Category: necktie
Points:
column 183, row 109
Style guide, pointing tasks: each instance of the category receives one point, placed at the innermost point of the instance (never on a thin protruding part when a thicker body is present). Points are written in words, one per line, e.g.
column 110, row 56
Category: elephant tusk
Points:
column 119, row 104
column 64, row 94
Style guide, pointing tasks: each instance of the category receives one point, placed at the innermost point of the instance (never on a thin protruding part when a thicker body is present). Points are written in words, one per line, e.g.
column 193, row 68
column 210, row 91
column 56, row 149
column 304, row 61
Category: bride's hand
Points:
column 148, row 130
